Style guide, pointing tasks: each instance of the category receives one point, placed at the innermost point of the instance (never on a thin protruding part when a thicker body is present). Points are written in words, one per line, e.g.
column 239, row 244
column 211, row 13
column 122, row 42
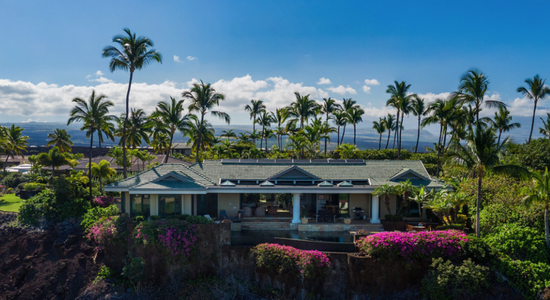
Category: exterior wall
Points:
column 127, row 202
column 229, row 203
column 186, row 205
column 361, row 200
column 383, row 209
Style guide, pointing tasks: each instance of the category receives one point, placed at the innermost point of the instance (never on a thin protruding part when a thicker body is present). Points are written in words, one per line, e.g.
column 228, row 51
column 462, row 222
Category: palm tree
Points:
column 380, row 129
column 171, row 115
column 279, row 116
column 347, row 106
column 161, row 143
column 441, row 111
column 355, row 115
column 346, row 151
column 91, row 113
column 480, row 154
column 205, row 132
column 536, row 90
column 389, row 124
column 472, row 89
column 298, row 142
column 339, row 117
column 400, row 100
column 203, row 99
column 107, row 128
column 502, row 121
column 385, row 191
column 418, row 108
column 102, row 171
column 265, row 121
column 55, row 158
column 255, row 108
column 60, row 139
column 303, row 109
column 228, row 134
column 135, row 54
column 545, row 129
column 541, row 193
column 15, row 143
column 328, row 107
column 138, row 129
column 313, row 134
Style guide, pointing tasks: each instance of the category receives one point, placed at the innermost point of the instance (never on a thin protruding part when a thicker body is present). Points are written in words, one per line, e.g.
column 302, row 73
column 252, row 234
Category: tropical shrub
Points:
column 134, row 270
column 177, row 238
column 198, row 220
column 30, row 212
column 278, row 260
column 529, row 277
column 477, row 250
column 104, row 273
column 34, row 186
column 103, row 231
column 104, row 201
column 12, row 180
column 519, row 242
column 412, row 246
column 451, row 226
column 446, row 280
column 94, row 214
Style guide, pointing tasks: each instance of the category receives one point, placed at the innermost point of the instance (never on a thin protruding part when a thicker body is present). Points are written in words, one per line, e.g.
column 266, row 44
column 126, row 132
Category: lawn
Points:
column 10, row 202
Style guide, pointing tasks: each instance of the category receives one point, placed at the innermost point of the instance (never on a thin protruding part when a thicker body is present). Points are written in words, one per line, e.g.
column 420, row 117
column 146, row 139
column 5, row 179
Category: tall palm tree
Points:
column 205, row 132
column 91, row 113
column 171, row 115
column 380, row 129
column 107, row 128
column 255, row 108
column 400, row 100
column 228, row 134
column 347, row 106
column 138, row 129
column 279, row 116
column 265, row 121
column 60, row 139
column 102, row 171
column 135, row 53
column 441, row 111
column 340, row 119
column 545, row 129
column 303, row 109
column 203, row 99
column 472, row 88
column 536, row 90
column 328, row 107
column 541, row 193
column 502, row 122
column 480, row 154
column 418, row 108
column 390, row 124
column 355, row 115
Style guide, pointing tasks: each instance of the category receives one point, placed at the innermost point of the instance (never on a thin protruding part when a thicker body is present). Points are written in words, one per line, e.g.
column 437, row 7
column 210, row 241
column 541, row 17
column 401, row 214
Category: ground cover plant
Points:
column 10, row 203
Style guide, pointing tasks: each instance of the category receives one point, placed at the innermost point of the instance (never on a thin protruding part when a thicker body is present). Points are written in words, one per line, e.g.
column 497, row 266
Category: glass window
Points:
column 207, row 205
column 140, row 205
column 170, row 205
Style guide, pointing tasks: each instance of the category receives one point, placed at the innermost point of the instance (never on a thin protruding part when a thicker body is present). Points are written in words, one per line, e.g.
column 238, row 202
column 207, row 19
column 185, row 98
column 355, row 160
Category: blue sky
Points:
column 51, row 51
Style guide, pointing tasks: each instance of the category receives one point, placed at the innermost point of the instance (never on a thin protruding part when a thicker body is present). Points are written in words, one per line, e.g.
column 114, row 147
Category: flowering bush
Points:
column 411, row 246
column 102, row 232
column 174, row 236
column 280, row 259
column 104, row 201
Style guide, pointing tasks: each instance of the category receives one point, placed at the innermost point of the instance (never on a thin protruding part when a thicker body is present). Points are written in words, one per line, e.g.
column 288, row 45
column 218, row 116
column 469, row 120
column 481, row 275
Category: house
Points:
column 294, row 186
column 182, row 148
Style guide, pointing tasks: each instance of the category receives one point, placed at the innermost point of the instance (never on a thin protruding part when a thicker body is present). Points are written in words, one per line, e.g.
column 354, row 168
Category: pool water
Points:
column 255, row 237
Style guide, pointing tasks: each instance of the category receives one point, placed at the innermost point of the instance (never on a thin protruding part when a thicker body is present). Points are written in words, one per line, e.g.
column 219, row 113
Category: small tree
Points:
column 101, row 171
column 385, row 191
column 541, row 193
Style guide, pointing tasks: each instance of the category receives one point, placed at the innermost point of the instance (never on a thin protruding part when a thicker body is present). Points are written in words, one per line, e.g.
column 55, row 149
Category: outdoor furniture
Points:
column 247, row 211
column 415, row 228
column 260, row 211
column 223, row 215
column 272, row 210
column 358, row 213
column 324, row 215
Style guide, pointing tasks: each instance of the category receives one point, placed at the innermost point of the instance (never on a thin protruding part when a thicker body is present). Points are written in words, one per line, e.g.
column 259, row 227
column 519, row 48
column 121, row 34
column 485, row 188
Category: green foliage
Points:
column 477, row 250
column 175, row 237
column 12, row 180
column 529, row 277
column 451, row 226
column 532, row 155
column 448, row 281
column 155, row 218
column 31, row 211
column 198, row 220
column 519, row 242
column 96, row 213
column 33, row 186
column 104, row 273
column 134, row 270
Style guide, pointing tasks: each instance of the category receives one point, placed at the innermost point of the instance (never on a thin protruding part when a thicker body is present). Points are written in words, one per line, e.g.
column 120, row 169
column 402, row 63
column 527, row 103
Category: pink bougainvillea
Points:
column 104, row 201
column 281, row 259
column 102, row 232
column 411, row 246
column 174, row 236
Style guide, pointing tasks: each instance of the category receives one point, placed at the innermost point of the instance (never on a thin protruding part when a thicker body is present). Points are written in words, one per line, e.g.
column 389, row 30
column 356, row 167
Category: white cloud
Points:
column 372, row 82
column 324, row 80
column 342, row 90
column 177, row 58
column 98, row 77
column 191, row 58
column 366, row 89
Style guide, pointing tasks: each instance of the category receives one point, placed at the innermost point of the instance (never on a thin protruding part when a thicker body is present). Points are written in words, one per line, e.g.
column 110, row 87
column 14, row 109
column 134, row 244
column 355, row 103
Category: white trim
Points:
column 168, row 192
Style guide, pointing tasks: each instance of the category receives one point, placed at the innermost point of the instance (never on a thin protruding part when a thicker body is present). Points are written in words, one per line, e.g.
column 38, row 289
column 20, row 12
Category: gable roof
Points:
column 407, row 173
column 293, row 173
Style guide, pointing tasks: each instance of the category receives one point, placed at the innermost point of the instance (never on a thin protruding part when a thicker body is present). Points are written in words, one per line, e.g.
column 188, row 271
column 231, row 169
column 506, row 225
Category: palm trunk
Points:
column 124, row 126
column 199, row 138
column 388, row 141
column 396, row 129
column 417, row 136
column 90, row 165
column 531, row 132
column 380, row 142
column 478, row 233
column 343, row 133
column 254, row 130
column 169, row 146
column 338, row 138
column 546, row 226
column 399, row 138
column 499, row 134
column 439, row 150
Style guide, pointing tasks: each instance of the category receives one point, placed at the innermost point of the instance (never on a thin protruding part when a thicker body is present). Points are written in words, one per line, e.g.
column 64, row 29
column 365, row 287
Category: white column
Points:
column 296, row 208
column 375, row 209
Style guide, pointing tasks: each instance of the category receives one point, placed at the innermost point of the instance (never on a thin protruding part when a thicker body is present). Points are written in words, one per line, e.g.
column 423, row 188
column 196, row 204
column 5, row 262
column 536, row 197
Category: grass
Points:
column 10, row 202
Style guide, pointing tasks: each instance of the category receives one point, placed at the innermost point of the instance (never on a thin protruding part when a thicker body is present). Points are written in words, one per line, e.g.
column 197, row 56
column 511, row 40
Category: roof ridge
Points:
column 200, row 174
